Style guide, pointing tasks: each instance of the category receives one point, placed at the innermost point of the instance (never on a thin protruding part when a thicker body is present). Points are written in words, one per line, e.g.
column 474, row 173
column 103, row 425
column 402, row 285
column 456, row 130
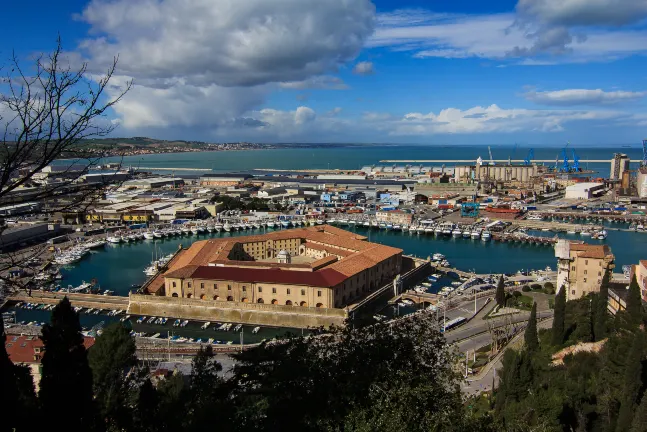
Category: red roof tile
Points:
column 325, row 278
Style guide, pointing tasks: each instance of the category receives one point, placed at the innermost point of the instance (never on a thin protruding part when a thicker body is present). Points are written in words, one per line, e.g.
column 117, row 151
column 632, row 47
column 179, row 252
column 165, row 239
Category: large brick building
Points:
column 314, row 267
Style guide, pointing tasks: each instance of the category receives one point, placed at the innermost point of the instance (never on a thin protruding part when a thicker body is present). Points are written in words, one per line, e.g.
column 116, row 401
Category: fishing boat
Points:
column 447, row 229
column 218, row 227
column 271, row 224
column 437, row 230
column 486, row 235
column 476, row 233
column 456, row 232
column 285, row 224
column 157, row 234
column 113, row 239
column 467, row 232
column 185, row 230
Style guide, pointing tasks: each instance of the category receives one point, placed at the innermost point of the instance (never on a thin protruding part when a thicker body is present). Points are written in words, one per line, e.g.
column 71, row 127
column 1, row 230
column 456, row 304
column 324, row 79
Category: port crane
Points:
column 529, row 158
column 489, row 150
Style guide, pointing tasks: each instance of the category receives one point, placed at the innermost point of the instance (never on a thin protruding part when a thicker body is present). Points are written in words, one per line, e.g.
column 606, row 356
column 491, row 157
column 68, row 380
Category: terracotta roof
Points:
column 325, row 278
column 643, row 263
column 591, row 251
column 21, row 348
column 353, row 265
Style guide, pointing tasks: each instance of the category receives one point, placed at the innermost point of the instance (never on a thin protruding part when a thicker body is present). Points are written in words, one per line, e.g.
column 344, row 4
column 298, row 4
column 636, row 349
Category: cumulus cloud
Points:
column 304, row 115
column 205, row 64
column 363, row 68
column 572, row 97
column 584, row 12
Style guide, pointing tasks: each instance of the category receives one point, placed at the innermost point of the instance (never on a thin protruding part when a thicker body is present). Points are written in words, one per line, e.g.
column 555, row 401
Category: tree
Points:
column 631, row 384
column 559, row 317
column 634, row 304
column 601, row 316
column 500, row 292
column 48, row 110
column 205, row 391
column 110, row 358
column 66, row 375
column 398, row 374
column 145, row 415
column 530, row 336
column 639, row 423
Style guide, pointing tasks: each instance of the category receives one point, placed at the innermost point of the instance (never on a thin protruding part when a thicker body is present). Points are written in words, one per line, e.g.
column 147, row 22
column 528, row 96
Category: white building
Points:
column 619, row 164
column 584, row 190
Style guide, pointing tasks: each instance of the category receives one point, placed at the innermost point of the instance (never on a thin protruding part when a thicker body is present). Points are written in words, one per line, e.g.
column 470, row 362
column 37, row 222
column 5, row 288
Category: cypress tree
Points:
column 601, row 317
column 8, row 387
column 110, row 358
column 530, row 336
column 559, row 317
column 66, row 379
column 632, row 383
column 639, row 423
column 500, row 292
column 634, row 304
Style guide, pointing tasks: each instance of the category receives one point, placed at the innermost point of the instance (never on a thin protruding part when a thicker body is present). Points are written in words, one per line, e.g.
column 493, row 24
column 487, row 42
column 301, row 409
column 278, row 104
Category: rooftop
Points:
column 346, row 254
column 22, row 349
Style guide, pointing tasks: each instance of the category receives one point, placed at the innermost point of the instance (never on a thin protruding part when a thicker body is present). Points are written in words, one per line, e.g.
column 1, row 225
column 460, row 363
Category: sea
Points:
column 357, row 156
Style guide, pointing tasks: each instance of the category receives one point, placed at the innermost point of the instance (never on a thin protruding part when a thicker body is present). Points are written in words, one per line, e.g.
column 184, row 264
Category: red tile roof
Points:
column 21, row 348
column 325, row 278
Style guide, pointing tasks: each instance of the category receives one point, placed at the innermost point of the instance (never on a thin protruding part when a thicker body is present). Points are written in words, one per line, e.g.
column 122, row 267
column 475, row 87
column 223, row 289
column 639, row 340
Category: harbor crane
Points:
column 491, row 158
column 576, row 161
column 529, row 158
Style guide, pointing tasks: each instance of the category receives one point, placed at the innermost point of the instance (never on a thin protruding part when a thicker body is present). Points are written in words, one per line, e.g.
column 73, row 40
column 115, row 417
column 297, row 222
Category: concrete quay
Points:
column 95, row 301
column 571, row 215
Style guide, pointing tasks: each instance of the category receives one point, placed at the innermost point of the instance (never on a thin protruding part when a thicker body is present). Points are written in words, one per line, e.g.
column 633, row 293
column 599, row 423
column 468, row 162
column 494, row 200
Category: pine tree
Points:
column 530, row 336
column 500, row 292
column 204, row 390
column 66, row 379
column 639, row 423
column 8, row 387
column 632, row 383
column 634, row 304
column 110, row 358
column 601, row 316
column 559, row 317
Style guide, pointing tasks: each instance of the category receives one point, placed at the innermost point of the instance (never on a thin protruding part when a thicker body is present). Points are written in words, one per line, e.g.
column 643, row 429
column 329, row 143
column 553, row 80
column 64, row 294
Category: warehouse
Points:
column 584, row 191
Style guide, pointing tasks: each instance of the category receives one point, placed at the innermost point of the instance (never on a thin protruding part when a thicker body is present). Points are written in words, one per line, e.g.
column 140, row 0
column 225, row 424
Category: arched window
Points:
column 216, row 297
column 230, row 298
column 275, row 301
column 189, row 295
column 288, row 303
column 319, row 305
column 303, row 304
column 244, row 300
column 174, row 295
column 260, row 300
column 203, row 297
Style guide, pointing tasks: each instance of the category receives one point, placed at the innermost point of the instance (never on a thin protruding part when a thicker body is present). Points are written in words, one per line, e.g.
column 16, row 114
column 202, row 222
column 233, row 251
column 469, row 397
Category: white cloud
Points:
column 363, row 68
column 304, row 115
column 335, row 111
column 504, row 35
column 227, row 42
column 327, row 82
column 492, row 119
column 572, row 97
column 206, row 64
column 583, row 12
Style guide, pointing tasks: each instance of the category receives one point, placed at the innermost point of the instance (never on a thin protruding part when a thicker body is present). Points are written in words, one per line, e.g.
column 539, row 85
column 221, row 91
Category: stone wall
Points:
column 238, row 312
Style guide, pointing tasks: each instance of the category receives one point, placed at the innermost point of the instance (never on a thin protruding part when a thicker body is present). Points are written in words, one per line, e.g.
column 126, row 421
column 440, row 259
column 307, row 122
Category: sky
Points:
column 533, row 72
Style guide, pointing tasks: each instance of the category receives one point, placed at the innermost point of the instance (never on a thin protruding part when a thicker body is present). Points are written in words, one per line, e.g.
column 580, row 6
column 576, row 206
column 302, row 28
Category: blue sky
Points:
column 540, row 72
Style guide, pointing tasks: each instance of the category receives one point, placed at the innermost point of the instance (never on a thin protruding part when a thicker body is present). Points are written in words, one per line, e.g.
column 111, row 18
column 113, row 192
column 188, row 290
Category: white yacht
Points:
column 366, row 224
column 185, row 230
column 374, row 224
column 285, row 223
column 218, row 227
column 319, row 222
column 270, row 224
column 467, row 232
column 438, row 230
column 157, row 234
column 226, row 227
column 113, row 239
column 486, row 235
column 195, row 230
column 210, row 228
column 476, row 233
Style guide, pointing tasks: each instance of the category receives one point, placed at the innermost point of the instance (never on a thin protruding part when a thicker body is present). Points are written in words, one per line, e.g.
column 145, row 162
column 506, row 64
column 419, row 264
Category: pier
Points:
column 95, row 301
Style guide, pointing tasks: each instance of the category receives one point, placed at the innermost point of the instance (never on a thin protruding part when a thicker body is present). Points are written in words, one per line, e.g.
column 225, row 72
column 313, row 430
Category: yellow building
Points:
column 314, row 267
column 581, row 267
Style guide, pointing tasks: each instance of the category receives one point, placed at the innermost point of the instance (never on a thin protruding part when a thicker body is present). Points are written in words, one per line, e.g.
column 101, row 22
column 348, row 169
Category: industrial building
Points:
column 223, row 180
column 316, row 267
column 619, row 164
column 584, row 191
column 14, row 236
column 581, row 267
column 153, row 183
column 480, row 172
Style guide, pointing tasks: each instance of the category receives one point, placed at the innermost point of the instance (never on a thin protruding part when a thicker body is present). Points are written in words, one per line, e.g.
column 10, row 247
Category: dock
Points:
column 95, row 301
column 473, row 161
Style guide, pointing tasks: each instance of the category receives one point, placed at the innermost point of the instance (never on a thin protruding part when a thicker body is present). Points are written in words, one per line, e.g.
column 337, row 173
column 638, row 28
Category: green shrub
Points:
column 517, row 294
column 549, row 286
column 525, row 288
column 535, row 286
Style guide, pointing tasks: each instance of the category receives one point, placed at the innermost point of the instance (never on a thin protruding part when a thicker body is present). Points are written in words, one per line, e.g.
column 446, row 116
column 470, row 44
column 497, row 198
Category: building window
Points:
column 201, row 285
column 273, row 290
column 230, row 298
column 189, row 295
column 188, row 284
column 174, row 295
column 586, row 262
column 303, row 292
column 288, row 291
column 244, row 288
column 584, row 271
column 599, row 273
column 215, row 286
column 573, row 268
column 318, row 293
column 173, row 284
column 260, row 289
column 228, row 287
column 585, row 280
column 573, row 292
